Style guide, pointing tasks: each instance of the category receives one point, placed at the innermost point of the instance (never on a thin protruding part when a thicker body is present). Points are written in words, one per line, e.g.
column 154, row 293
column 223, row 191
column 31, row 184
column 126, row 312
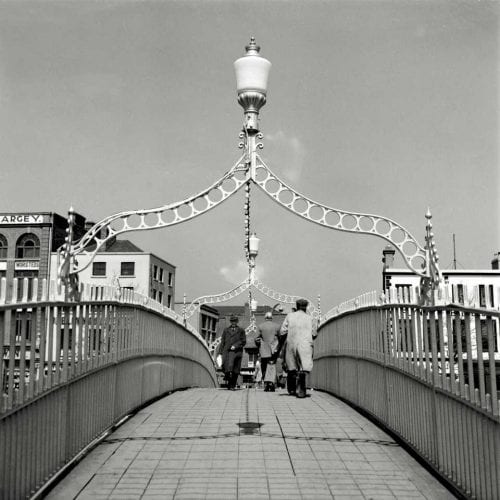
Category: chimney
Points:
column 494, row 262
column 388, row 257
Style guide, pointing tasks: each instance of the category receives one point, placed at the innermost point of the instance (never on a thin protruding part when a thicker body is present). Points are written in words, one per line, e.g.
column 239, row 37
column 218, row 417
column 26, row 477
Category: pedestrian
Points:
column 299, row 331
column 231, row 348
column 268, row 342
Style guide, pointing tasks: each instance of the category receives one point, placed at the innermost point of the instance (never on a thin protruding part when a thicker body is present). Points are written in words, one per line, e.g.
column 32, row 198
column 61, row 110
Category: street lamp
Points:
column 253, row 246
column 252, row 72
column 253, row 251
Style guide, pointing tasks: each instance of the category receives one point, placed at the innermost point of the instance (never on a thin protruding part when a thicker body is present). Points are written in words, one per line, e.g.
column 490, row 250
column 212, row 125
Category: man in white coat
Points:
column 300, row 331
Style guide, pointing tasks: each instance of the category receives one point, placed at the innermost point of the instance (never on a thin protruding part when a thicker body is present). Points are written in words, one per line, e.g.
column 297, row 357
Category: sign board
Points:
column 21, row 219
column 3, row 266
column 22, row 265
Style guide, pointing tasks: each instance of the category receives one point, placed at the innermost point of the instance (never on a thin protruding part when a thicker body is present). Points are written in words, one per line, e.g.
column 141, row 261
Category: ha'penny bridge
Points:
column 108, row 394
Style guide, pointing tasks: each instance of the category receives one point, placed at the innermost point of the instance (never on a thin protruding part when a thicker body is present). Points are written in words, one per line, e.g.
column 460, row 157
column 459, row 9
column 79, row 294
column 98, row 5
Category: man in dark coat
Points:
column 231, row 348
column 268, row 340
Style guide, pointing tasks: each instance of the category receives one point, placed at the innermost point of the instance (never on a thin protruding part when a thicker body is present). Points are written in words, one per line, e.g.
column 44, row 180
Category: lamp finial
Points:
column 252, row 48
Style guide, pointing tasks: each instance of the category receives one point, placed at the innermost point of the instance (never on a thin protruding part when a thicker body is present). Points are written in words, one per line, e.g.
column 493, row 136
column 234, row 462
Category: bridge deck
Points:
column 195, row 444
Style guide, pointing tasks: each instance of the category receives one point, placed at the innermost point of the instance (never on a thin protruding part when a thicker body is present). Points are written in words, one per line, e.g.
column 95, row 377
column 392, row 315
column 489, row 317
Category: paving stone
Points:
column 315, row 460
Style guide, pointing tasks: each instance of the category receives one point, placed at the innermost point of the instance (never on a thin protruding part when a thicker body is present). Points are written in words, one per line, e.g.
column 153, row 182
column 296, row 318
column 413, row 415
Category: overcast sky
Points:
column 378, row 107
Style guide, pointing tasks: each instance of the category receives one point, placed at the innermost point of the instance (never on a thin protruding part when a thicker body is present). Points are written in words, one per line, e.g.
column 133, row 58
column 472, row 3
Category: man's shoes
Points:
column 272, row 388
column 301, row 385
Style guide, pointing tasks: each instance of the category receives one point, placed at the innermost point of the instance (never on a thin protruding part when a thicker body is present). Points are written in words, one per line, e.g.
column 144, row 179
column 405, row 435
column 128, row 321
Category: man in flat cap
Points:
column 268, row 340
column 231, row 348
column 300, row 331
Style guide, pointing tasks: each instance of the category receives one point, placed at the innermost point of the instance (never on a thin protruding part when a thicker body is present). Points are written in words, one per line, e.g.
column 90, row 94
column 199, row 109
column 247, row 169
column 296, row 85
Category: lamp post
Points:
column 253, row 251
column 252, row 72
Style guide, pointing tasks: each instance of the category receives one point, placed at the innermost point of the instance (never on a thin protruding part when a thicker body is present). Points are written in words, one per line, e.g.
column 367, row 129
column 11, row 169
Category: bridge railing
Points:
column 430, row 374
column 69, row 371
column 464, row 295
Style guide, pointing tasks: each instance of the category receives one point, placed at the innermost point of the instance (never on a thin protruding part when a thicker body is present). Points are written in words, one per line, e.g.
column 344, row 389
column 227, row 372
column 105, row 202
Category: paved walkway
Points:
column 248, row 444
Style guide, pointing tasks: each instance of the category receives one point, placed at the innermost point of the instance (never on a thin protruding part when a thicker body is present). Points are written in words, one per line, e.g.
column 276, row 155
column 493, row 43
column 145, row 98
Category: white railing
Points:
column 32, row 290
column 431, row 374
column 467, row 296
column 71, row 370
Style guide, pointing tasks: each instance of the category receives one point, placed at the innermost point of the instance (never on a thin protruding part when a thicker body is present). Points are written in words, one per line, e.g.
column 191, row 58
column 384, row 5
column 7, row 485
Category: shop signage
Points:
column 26, row 264
column 21, row 219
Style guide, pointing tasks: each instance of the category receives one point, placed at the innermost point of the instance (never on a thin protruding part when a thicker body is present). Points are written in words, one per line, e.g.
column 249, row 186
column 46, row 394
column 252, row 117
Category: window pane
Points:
column 127, row 269
column 99, row 269
column 28, row 247
column 482, row 296
column 29, row 252
column 3, row 247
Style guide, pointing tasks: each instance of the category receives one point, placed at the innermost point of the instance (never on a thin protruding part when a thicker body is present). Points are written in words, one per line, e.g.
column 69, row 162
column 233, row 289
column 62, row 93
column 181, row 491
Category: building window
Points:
column 492, row 295
column 3, row 247
column 482, row 296
column 169, row 301
column 403, row 292
column 127, row 269
column 170, row 279
column 155, row 272
column 28, row 247
column 153, row 294
column 99, row 269
column 25, row 285
column 160, row 278
column 460, row 294
column 160, row 297
column 387, row 282
column 24, row 326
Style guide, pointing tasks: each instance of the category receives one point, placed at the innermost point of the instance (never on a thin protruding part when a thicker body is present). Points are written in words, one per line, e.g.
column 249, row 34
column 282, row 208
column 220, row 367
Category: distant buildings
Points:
column 28, row 245
column 122, row 264
column 27, row 240
column 204, row 320
column 469, row 287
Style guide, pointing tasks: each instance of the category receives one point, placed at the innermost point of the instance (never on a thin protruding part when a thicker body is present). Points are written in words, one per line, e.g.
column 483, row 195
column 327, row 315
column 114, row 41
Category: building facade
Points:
column 123, row 264
column 27, row 241
column 468, row 287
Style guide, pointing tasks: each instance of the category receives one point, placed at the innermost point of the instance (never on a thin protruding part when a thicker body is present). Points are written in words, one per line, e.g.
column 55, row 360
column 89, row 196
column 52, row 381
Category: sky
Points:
column 381, row 107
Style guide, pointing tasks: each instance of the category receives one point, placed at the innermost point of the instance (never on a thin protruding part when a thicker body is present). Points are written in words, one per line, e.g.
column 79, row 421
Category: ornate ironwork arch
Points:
column 239, row 289
column 422, row 261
